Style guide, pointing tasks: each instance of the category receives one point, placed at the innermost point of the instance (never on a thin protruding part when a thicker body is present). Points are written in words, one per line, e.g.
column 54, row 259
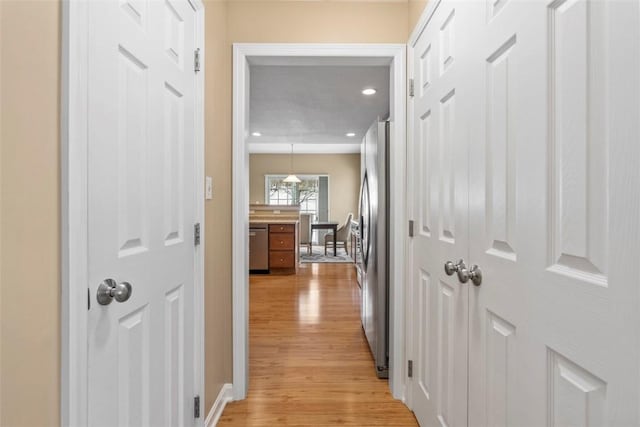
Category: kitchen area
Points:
column 273, row 239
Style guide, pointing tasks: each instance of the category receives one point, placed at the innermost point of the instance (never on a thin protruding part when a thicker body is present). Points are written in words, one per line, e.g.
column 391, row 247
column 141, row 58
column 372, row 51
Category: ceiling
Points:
column 314, row 106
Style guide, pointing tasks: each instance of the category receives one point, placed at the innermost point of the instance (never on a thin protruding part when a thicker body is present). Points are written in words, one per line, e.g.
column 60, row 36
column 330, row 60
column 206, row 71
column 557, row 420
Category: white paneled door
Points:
column 438, row 174
column 554, row 327
column 142, row 210
column 553, row 213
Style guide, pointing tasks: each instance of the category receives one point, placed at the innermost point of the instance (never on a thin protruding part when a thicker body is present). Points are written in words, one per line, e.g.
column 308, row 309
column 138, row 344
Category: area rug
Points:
column 317, row 255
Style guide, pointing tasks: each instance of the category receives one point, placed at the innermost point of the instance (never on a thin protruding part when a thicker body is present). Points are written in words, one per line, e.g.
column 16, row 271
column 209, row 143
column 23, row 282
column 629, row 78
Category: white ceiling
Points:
column 314, row 106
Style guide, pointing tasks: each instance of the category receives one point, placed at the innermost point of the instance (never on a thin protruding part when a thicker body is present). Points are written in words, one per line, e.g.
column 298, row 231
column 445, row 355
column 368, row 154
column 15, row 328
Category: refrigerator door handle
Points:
column 365, row 227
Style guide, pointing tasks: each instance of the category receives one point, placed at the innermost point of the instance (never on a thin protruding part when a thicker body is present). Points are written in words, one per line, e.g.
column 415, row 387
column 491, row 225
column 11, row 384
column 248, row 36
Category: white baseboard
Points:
column 225, row 396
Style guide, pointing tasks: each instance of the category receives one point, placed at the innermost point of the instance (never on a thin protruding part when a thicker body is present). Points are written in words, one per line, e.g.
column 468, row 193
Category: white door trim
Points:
column 411, row 350
column 395, row 54
column 74, row 209
column 428, row 12
column 199, row 309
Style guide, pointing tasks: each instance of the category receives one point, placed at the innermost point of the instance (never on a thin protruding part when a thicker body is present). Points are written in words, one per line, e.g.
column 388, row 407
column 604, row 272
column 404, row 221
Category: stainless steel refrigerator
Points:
column 374, row 235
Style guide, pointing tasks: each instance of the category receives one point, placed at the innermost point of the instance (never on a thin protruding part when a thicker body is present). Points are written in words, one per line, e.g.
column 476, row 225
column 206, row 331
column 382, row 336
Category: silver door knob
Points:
column 463, row 273
column 450, row 268
column 475, row 274
column 109, row 290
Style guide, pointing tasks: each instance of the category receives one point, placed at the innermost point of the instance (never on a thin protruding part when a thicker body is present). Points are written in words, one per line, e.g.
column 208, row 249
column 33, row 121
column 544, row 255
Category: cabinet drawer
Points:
column 282, row 228
column 281, row 241
column 281, row 259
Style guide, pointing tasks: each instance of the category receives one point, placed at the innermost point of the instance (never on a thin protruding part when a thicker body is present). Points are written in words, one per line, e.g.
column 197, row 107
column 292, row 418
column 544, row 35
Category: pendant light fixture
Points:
column 292, row 178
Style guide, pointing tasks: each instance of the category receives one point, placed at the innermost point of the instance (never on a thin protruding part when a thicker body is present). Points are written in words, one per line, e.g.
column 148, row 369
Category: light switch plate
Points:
column 208, row 188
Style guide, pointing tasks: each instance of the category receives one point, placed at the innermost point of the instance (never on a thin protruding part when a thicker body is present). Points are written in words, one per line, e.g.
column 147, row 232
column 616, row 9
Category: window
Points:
column 307, row 193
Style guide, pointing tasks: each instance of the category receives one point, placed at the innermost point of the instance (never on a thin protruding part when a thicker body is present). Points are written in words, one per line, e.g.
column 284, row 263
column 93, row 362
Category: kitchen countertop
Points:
column 272, row 221
column 274, row 214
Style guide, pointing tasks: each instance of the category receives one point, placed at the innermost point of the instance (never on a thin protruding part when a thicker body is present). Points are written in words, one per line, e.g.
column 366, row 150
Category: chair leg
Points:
column 325, row 248
column 345, row 248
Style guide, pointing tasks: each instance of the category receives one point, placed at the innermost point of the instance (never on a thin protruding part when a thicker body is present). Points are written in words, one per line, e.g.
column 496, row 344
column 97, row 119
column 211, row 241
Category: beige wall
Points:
column 30, row 190
column 317, row 22
column 30, row 194
column 343, row 171
column 218, row 210
column 416, row 7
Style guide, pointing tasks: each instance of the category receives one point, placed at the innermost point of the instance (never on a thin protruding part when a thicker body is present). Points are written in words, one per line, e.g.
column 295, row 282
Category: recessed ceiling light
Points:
column 256, row 134
column 350, row 134
column 368, row 91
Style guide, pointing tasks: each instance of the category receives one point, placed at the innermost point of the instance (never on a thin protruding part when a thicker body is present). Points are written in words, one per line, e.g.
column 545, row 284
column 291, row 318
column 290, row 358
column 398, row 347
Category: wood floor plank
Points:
column 309, row 362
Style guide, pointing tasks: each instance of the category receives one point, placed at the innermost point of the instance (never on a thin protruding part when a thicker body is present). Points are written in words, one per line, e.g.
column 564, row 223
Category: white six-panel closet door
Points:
column 553, row 336
column 438, row 202
column 545, row 135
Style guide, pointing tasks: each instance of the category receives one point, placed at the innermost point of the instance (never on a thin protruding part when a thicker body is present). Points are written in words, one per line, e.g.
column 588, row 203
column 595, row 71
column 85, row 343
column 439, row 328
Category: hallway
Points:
column 309, row 361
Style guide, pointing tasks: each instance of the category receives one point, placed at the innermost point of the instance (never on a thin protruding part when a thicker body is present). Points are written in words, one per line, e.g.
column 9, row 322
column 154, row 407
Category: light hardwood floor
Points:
column 310, row 364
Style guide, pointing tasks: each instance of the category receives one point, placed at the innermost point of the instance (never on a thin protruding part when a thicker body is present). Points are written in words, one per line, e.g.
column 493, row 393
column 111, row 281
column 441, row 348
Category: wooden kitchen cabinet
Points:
column 283, row 248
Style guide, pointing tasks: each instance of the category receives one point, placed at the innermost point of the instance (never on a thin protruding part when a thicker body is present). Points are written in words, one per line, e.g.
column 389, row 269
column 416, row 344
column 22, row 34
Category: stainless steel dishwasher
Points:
column 258, row 247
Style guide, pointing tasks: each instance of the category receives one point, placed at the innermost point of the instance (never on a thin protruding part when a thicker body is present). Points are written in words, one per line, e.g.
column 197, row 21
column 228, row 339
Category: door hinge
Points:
column 196, row 407
column 196, row 234
column 196, row 60
column 410, row 228
column 410, row 368
column 411, row 87
column 88, row 299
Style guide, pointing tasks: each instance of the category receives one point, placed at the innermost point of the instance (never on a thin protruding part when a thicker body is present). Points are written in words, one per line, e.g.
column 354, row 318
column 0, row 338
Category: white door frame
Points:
column 394, row 55
column 74, row 213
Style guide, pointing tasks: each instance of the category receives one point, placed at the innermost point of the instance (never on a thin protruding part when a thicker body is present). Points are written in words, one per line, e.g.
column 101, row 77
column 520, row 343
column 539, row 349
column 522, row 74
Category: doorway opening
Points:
column 247, row 56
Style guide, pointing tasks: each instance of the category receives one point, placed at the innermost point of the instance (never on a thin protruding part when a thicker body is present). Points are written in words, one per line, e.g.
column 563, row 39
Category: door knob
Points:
column 463, row 273
column 450, row 268
column 475, row 274
column 110, row 289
